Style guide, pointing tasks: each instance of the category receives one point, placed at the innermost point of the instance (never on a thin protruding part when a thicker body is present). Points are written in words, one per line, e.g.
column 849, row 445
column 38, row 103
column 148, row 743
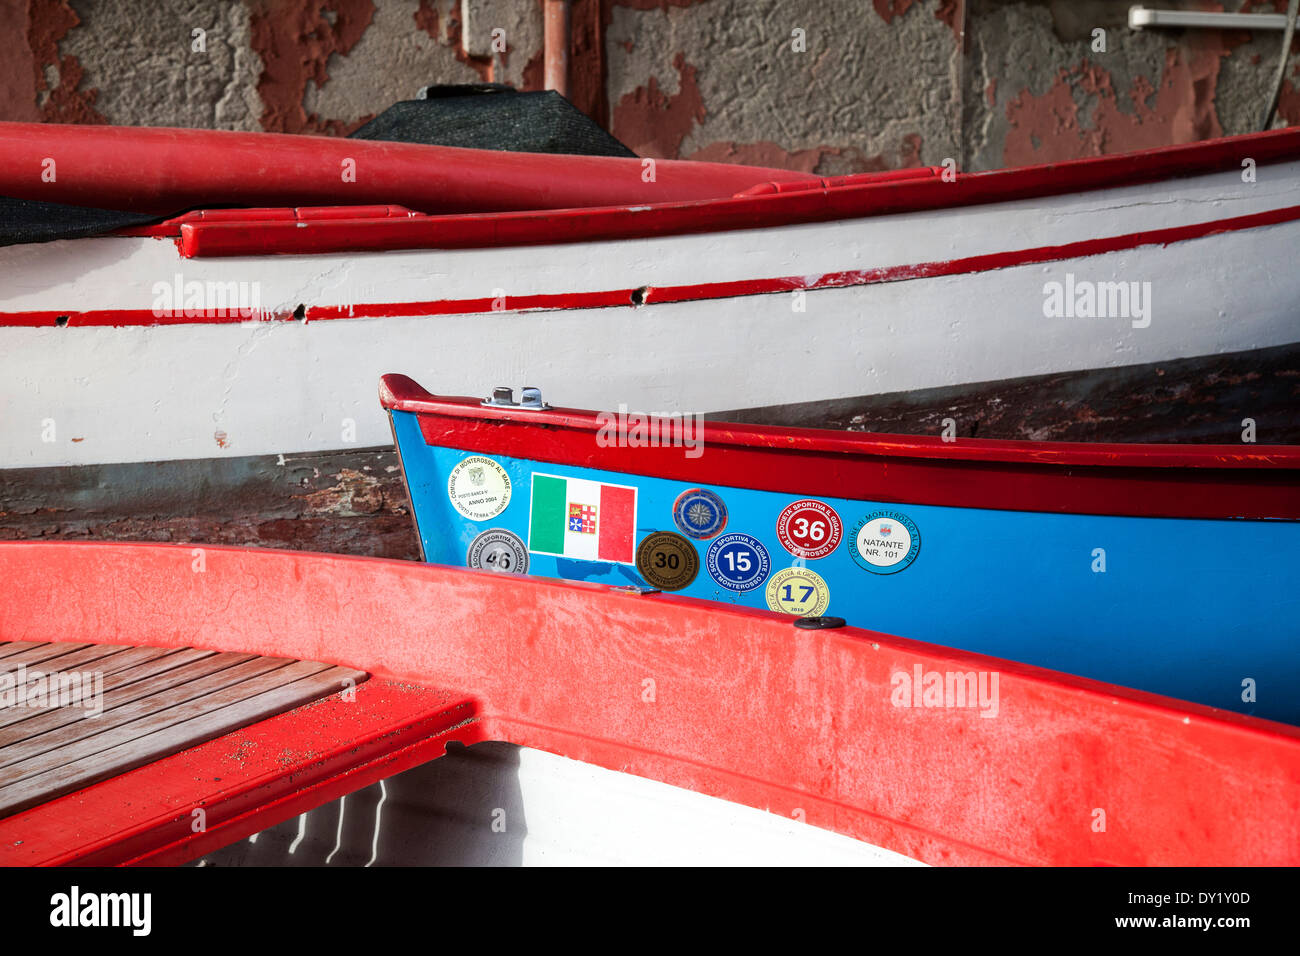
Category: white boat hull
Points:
column 86, row 394
column 502, row 805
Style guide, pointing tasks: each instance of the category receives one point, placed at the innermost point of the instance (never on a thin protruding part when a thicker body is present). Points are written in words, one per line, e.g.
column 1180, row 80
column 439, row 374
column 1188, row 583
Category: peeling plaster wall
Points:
column 723, row 80
column 878, row 84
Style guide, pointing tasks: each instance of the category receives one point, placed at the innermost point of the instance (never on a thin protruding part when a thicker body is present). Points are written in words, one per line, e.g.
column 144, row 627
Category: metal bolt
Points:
column 818, row 623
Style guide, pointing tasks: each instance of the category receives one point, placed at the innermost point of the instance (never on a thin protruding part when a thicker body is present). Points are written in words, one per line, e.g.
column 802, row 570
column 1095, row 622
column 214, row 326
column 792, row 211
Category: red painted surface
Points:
column 1187, row 481
column 48, row 22
column 653, row 123
column 19, row 74
column 200, row 239
column 1181, row 109
column 295, row 41
column 885, row 196
column 281, row 231
column 136, row 169
column 555, row 19
column 587, row 66
column 244, row 782
column 746, row 707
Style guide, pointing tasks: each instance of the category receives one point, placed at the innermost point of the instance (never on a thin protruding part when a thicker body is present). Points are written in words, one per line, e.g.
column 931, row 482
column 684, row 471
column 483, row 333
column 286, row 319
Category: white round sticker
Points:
column 885, row 542
column 479, row 488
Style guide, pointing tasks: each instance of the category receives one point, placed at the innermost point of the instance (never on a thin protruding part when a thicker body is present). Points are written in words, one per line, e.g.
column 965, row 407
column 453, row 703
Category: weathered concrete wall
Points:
column 837, row 86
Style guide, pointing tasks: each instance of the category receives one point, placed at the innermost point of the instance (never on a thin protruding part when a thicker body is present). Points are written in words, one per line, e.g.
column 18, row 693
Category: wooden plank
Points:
column 59, row 729
column 130, row 686
column 37, row 655
column 87, row 736
column 146, row 660
column 14, row 647
column 106, row 658
column 169, row 731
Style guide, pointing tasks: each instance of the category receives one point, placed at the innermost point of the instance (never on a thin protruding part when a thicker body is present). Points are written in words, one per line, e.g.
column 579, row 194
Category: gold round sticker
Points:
column 667, row 561
column 798, row 591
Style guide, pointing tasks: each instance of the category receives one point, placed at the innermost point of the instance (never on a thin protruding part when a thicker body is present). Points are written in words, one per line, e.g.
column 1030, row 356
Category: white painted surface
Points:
column 167, row 392
column 500, row 805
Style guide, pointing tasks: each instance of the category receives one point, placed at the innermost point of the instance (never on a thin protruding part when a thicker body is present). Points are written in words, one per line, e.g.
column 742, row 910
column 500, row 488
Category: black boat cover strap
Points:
column 25, row 220
column 476, row 116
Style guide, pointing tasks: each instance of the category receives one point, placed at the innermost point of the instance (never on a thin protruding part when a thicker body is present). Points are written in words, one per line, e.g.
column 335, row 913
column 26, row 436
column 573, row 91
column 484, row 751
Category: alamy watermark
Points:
column 922, row 688
column 1085, row 299
column 624, row 429
column 43, row 690
column 194, row 299
column 75, row 908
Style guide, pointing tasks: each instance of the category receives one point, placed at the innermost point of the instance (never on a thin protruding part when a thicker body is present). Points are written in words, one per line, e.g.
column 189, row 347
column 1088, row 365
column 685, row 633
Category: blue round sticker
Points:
column 885, row 542
column 699, row 514
column 738, row 562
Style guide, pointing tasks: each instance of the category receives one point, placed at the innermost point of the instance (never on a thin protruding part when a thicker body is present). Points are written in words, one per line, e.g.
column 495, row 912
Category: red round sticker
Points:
column 809, row 528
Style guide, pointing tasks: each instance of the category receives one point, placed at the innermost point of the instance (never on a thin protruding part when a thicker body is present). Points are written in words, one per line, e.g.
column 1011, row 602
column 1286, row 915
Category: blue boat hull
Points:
column 1203, row 610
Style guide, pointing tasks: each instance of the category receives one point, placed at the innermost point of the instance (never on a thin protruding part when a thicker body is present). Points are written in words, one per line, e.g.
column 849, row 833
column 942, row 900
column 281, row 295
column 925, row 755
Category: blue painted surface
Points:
column 1186, row 608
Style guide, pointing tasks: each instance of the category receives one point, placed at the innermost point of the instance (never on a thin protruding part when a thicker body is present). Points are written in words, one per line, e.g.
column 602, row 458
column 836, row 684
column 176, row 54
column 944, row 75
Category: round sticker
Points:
column 809, row 528
column 699, row 514
column 738, row 561
column 667, row 560
column 479, row 488
column 498, row 550
column 798, row 591
column 885, row 542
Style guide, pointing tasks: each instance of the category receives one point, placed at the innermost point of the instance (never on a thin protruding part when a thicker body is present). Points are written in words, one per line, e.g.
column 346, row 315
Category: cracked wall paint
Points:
column 58, row 88
column 860, row 95
column 170, row 82
column 296, row 40
column 881, row 85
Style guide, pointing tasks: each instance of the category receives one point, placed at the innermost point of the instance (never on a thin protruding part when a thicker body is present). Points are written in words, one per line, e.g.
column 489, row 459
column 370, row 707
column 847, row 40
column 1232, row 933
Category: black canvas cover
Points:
column 24, row 220
column 491, row 116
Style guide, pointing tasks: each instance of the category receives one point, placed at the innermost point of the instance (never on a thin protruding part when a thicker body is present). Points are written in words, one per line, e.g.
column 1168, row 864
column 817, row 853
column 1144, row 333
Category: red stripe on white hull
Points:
column 197, row 390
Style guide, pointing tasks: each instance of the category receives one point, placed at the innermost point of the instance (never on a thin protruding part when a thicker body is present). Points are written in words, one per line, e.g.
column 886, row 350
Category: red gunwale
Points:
column 750, row 709
column 800, row 202
column 567, row 198
column 1168, row 481
column 607, row 298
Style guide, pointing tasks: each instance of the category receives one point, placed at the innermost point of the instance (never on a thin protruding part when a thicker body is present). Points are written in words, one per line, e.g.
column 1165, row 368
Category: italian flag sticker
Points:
column 576, row 518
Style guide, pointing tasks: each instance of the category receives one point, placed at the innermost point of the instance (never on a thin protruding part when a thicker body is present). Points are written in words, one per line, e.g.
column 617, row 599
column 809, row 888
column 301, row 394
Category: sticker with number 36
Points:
column 809, row 528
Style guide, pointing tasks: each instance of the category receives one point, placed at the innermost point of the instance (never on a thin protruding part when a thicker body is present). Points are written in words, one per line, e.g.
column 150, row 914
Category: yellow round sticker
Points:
column 798, row 591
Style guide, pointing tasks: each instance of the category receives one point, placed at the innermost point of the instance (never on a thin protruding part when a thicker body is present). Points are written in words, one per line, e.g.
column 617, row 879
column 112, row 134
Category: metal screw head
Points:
column 531, row 398
column 501, row 395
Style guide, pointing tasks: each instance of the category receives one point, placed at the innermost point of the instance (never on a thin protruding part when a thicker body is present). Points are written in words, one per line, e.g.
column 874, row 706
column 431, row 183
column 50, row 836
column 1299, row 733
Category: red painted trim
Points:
column 1175, row 481
column 592, row 225
column 171, row 228
column 792, row 205
column 747, row 708
column 614, row 298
